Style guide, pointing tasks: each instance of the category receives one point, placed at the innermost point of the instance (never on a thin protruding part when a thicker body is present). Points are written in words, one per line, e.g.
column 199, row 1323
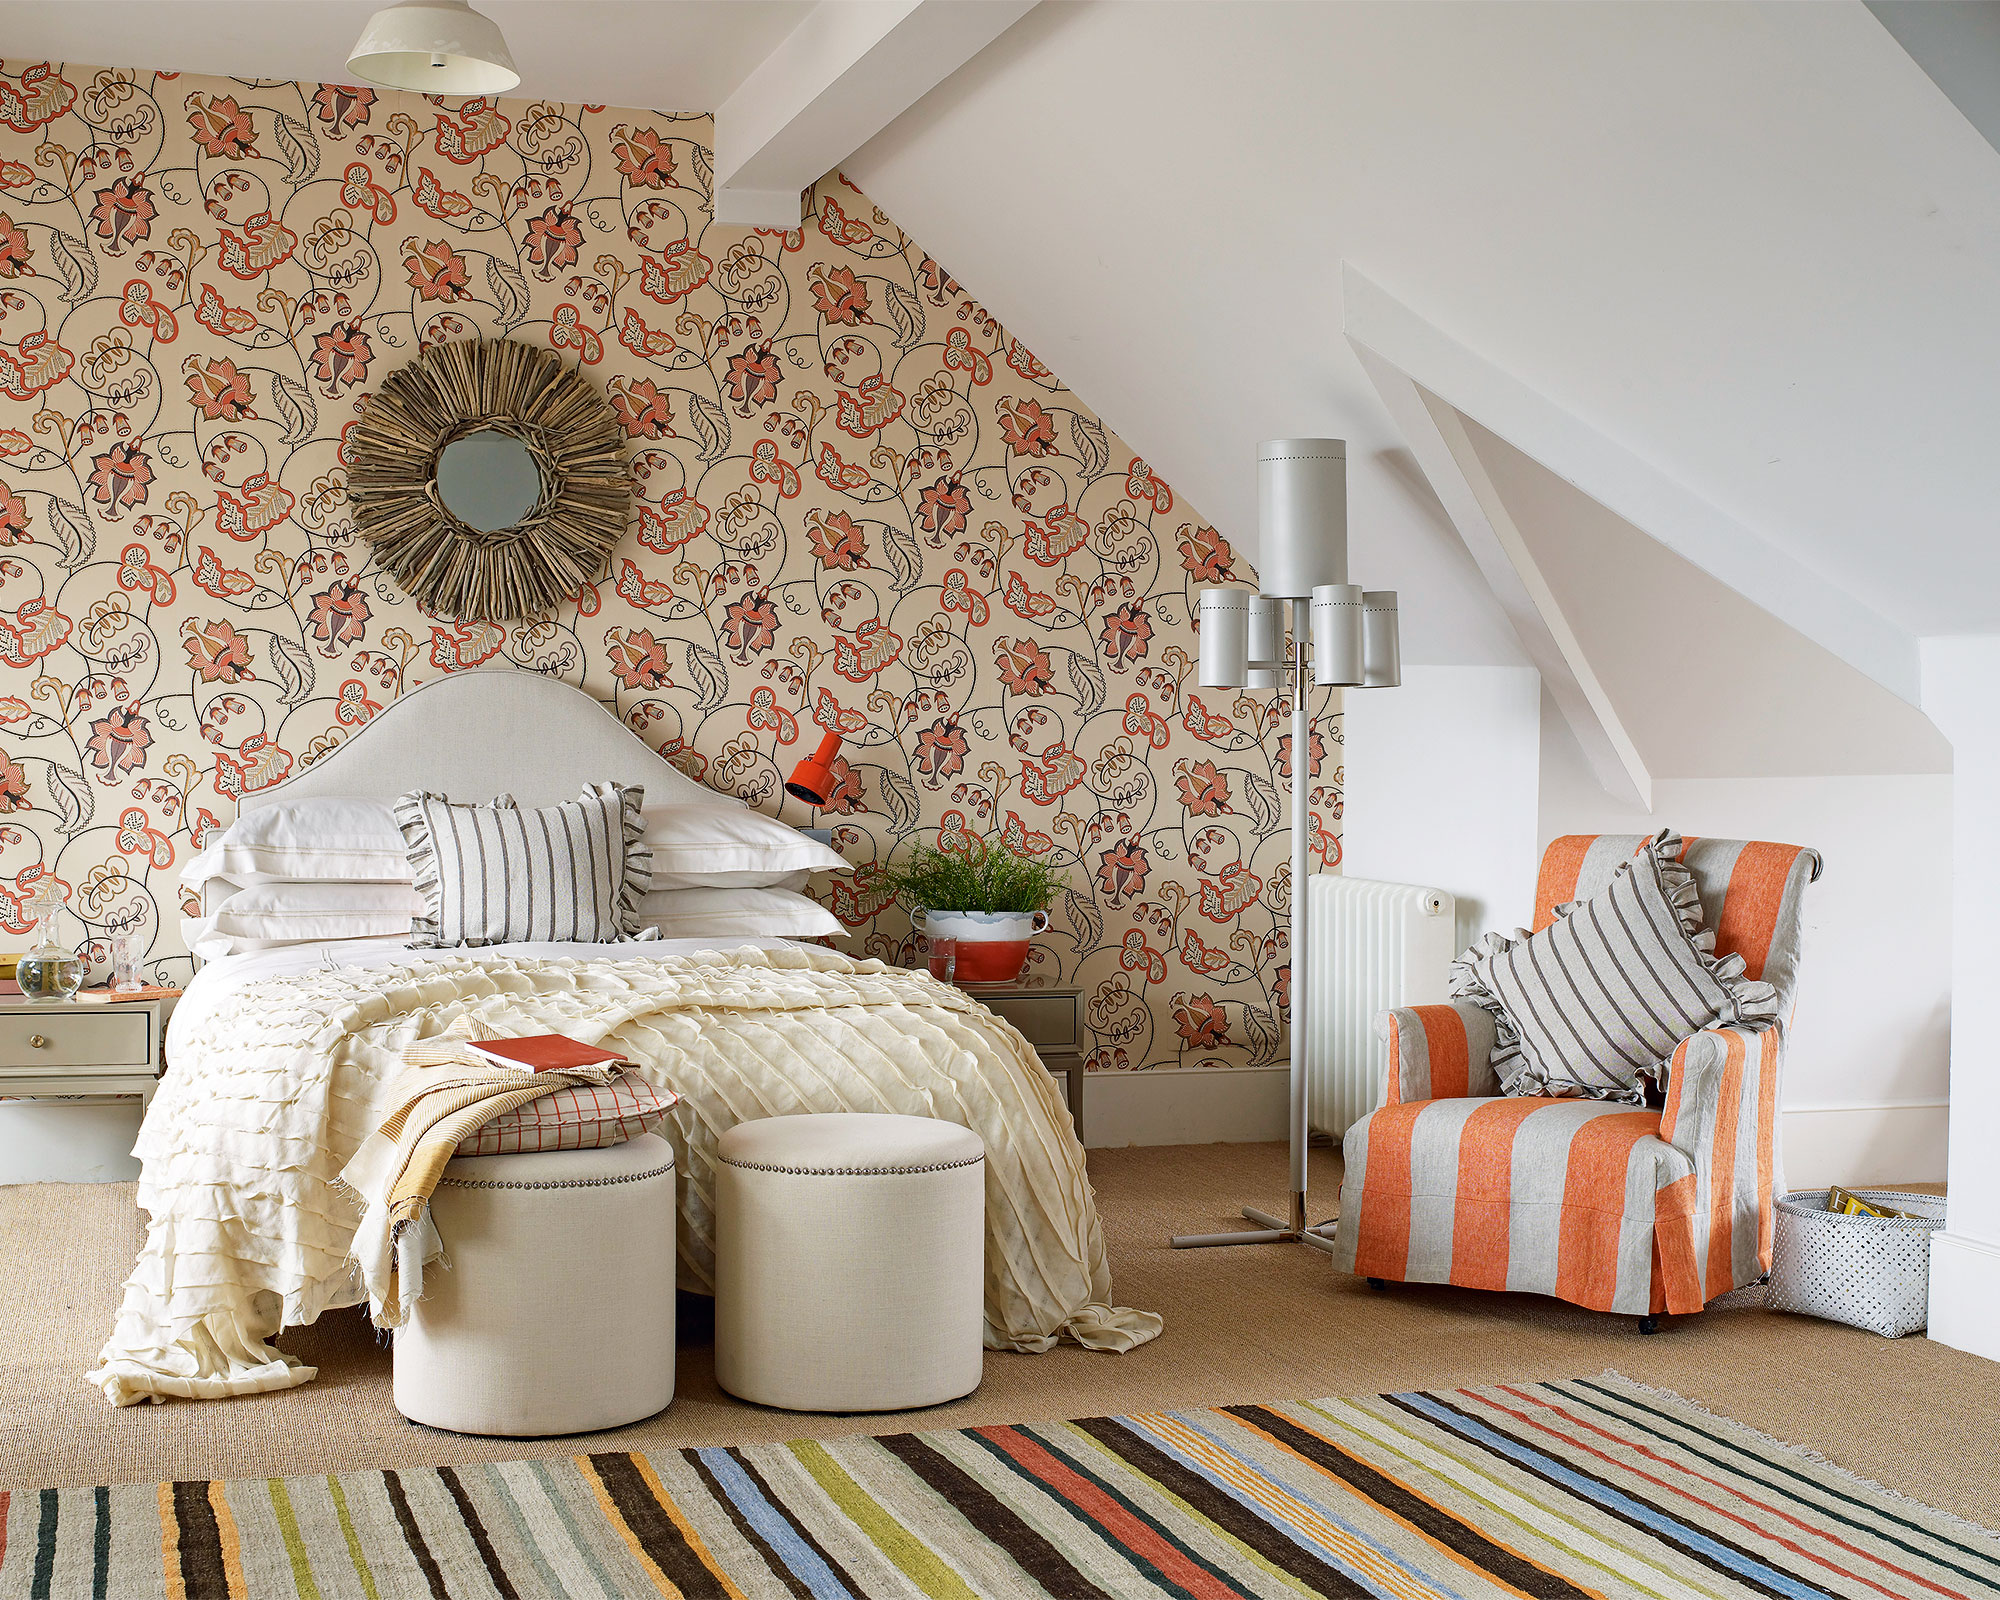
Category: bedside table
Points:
column 69, row 1047
column 1050, row 1019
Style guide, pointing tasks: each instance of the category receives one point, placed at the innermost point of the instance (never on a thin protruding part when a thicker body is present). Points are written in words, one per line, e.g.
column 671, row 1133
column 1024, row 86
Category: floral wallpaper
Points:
column 861, row 505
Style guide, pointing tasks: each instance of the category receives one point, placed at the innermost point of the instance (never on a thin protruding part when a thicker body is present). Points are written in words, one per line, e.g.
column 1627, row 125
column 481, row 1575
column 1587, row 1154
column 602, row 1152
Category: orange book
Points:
column 543, row 1052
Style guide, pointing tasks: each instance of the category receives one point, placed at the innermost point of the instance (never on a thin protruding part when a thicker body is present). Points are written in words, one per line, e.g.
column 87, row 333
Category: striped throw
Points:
column 1598, row 1000
column 495, row 874
column 1593, row 1489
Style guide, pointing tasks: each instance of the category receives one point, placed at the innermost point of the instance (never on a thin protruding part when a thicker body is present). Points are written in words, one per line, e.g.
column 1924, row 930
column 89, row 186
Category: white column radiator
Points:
column 1369, row 946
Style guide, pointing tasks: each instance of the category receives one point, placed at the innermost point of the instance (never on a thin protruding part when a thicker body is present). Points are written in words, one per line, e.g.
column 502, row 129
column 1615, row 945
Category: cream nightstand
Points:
column 1051, row 1020
column 74, row 1047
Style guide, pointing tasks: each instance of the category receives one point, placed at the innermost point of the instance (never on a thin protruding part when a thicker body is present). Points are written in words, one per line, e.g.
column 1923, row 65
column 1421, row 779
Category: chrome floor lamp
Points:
column 1302, row 518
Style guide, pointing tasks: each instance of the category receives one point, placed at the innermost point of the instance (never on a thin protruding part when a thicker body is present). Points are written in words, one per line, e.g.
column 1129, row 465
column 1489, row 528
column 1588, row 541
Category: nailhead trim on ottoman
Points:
column 855, row 1172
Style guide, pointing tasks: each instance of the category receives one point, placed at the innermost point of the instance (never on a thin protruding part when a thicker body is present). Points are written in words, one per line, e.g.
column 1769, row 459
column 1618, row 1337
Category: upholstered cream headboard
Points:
column 472, row 735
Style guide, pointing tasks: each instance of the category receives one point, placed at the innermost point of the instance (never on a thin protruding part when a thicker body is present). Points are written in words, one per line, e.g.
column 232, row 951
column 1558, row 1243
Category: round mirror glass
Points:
column 488, row 480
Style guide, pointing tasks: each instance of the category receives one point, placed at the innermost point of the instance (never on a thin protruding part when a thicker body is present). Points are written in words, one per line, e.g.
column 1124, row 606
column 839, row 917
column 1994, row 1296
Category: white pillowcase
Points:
column 341, row 839
column 325, row 840
column 729, row 846
column 737, row 914
column 258, row 916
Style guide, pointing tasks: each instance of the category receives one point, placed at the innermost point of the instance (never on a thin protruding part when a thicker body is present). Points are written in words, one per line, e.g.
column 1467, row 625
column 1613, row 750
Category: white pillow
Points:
column 259, row 915
column 737, row 914
column 327, row 840
column 730, row 847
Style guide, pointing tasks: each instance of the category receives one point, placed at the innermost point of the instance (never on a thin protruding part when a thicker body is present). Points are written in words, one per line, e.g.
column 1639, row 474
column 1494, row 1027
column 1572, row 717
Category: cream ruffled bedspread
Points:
column 265, row 1103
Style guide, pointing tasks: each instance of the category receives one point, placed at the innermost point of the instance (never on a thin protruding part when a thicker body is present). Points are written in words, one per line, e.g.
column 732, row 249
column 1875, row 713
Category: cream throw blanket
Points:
column 446, row 1094
column 250, row 1231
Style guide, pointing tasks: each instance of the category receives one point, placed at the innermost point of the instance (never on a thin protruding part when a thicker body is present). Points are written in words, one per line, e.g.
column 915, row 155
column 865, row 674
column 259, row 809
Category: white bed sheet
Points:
column 222, row 977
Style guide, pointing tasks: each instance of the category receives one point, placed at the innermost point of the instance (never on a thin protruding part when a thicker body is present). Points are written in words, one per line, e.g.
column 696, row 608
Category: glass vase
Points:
column 50, row 971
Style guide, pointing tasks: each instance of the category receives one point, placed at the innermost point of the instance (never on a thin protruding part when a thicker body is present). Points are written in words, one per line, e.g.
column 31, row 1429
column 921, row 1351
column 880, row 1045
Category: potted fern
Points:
column 989, row 900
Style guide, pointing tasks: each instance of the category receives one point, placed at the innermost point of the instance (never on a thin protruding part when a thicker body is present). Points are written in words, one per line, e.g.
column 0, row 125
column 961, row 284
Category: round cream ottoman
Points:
column 849, row 1261
column 553, row 1309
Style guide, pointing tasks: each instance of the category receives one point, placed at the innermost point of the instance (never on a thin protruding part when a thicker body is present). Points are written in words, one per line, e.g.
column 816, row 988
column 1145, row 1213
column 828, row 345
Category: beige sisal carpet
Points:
column 1246, row 1324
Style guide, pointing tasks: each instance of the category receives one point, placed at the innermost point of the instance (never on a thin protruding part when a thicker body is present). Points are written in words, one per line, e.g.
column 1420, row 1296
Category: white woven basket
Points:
column 1869, row 1272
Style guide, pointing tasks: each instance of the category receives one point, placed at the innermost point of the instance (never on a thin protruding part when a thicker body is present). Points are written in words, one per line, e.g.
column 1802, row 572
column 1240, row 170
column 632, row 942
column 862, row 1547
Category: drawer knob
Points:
column 37, row 1042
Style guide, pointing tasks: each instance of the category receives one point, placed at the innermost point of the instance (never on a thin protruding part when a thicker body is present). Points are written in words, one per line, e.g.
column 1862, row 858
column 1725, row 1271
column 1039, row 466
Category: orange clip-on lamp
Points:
column 812, row 778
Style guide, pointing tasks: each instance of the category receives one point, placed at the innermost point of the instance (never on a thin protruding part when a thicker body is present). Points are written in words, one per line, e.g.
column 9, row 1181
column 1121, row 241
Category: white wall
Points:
column 1868, row 1078
column 1962, row 691
column 1868, row 1075
column 1705, row 683
column 69, row 1141
column 1472, row 833
column 1441, row 790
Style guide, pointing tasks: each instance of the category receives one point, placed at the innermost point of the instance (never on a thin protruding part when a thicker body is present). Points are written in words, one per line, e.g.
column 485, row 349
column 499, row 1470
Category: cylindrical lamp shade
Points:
column 439, row 47
column 1301, row 515
column 1336, row 613
column 1381, row 640
column 1225, row 638
column 1267, row 642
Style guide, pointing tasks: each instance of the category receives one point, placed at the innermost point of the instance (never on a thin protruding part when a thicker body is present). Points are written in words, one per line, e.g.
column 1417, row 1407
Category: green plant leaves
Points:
column 992, row 876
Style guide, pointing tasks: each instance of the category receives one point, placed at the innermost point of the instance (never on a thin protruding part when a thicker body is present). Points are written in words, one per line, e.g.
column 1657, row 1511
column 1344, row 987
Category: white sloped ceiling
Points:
column 1752, row 244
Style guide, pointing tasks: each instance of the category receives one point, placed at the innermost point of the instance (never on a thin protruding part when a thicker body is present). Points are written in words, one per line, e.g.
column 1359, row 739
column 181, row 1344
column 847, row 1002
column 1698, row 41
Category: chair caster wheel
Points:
column 1649, row 1324
column 1377, row 1285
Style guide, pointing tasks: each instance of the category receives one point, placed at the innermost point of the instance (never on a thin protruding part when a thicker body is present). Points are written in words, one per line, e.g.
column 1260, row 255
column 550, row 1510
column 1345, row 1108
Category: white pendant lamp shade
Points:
column 1242, row 640
column 1301, row 515
column 436, row 47
column 1225, row 638
column 1336, row 615
column 1267, row 642
column 1381, row 640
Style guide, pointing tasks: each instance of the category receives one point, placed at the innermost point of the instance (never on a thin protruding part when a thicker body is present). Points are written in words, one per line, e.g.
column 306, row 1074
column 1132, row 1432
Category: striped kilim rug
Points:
column 1595, row 1487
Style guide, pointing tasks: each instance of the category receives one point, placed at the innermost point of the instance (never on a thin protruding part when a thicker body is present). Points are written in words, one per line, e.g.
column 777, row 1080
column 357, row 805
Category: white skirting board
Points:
column 67, row 1141
column 1185, row 1105
column 57, row 1141
column 1965, row 1294
column 1237, row 1105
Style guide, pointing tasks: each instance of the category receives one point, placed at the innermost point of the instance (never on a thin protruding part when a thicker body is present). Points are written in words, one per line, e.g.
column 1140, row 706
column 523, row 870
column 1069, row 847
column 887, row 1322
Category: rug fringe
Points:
column 1909, row 1502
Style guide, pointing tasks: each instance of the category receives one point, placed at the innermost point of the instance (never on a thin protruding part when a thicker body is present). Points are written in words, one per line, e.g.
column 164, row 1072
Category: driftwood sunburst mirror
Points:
column 489, row 479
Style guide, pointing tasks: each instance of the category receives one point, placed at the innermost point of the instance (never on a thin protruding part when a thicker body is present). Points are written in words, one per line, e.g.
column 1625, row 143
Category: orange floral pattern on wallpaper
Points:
column 860, row 506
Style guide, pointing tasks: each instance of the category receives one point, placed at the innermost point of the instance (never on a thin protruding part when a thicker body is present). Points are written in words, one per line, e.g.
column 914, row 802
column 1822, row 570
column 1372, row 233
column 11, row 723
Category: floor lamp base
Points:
column 1272, row 1231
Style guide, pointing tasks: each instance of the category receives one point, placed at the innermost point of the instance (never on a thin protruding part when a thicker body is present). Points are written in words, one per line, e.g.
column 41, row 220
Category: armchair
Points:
column 1605, row 1205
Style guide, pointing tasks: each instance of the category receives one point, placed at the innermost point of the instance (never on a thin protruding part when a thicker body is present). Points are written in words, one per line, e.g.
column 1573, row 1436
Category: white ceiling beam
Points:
column 1630, row 487
column 1436, row 436
column 844, row 74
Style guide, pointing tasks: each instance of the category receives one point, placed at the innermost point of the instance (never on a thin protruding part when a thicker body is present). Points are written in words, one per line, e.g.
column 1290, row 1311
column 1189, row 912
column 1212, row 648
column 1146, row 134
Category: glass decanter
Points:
column 50, row 970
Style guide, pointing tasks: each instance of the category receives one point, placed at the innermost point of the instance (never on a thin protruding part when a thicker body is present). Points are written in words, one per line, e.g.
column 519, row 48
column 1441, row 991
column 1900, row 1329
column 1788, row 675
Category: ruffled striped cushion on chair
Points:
column 1598, row 1000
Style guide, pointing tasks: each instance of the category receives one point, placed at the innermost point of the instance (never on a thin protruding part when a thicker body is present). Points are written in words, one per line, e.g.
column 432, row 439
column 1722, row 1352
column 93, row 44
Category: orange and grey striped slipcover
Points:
column 1592, row 1201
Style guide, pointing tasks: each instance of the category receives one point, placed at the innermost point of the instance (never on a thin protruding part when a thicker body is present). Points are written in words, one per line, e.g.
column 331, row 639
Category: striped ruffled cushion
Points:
column 495, row 874
column 1598, row 1000
column 587, row 1117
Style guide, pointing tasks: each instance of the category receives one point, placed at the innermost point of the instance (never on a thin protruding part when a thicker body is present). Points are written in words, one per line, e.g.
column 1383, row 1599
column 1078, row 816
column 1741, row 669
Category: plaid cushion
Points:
column 586, row 1117
column 1600, row 998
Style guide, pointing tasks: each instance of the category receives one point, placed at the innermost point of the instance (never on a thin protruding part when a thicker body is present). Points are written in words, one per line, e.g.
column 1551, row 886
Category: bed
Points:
column 279, row 1061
